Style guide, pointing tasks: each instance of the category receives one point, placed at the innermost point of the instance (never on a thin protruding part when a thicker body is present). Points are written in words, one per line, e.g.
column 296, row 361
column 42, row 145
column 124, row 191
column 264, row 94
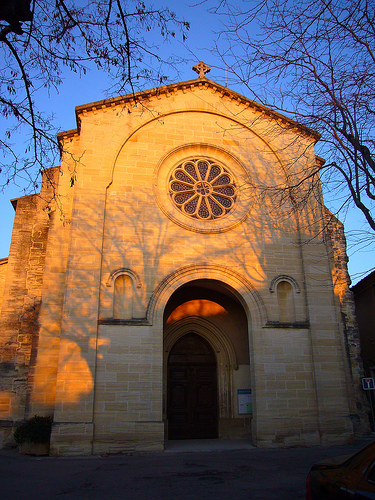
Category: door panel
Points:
column 192, row 390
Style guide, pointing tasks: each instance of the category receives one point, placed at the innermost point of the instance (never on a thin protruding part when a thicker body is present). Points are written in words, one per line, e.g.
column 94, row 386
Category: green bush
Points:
column 35, row 430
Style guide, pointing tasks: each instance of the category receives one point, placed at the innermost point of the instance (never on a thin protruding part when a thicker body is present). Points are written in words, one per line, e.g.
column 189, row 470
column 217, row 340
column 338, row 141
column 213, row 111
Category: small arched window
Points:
column 123, row 297
column 285, row 299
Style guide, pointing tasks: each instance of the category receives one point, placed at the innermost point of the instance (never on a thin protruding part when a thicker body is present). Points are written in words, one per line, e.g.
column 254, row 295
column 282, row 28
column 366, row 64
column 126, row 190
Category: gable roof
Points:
column 174, row 87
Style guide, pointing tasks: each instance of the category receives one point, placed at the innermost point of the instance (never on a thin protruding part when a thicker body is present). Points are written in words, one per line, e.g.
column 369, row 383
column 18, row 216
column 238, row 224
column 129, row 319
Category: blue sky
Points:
column 75, row 91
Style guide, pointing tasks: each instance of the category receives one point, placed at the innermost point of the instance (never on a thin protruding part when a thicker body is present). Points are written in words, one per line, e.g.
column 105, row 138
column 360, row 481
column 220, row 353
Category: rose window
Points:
column 202, row 189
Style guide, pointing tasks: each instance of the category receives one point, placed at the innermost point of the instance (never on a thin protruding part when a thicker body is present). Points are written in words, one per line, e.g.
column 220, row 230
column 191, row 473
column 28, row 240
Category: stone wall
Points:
column 3, row 273
column 351, row 339
column 22, row 296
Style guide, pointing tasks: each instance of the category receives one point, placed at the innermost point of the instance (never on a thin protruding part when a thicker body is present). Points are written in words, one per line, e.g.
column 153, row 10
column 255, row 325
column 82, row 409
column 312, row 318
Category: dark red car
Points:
column 343, row 478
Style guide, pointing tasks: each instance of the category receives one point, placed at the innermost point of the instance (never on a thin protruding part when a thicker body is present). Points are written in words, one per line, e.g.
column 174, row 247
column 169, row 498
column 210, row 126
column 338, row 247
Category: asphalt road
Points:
column 233, row 474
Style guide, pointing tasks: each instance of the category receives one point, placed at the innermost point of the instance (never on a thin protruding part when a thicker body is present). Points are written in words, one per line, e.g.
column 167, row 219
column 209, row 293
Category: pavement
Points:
column 201, row 469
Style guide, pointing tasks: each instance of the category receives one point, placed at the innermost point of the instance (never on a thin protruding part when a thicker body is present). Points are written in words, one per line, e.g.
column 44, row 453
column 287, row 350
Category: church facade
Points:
column 176, row 278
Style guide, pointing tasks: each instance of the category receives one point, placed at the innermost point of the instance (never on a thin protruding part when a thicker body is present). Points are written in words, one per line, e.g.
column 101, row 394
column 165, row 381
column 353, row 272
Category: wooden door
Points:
column 192, row 389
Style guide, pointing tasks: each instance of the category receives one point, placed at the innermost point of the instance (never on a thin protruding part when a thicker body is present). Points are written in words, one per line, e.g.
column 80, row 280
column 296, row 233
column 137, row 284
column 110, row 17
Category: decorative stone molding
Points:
column 284, row 277
column 115, row 274
column 228, row 209
column 297, row 325
column 241, row 288
column 122, row 322
column 159, row 92
column 202, row 189
column 224, row 350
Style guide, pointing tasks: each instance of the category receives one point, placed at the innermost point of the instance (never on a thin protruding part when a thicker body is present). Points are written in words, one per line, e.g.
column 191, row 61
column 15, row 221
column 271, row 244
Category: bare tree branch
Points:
column 41, row 39
column 315, row 61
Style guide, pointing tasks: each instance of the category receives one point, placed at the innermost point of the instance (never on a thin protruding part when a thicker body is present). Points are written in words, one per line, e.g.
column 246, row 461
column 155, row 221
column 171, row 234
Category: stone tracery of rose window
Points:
column 202, row 189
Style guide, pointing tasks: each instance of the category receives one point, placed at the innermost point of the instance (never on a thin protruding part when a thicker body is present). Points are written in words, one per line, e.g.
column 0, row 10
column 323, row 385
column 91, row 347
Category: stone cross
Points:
column 201, row 68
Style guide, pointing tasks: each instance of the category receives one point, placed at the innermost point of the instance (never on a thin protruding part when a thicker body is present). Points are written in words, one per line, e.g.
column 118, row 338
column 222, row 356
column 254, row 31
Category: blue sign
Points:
column 368, row 384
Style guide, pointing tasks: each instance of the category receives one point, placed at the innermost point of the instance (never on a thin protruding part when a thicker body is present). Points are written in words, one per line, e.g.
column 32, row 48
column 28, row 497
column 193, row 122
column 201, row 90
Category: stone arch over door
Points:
column 239, row 285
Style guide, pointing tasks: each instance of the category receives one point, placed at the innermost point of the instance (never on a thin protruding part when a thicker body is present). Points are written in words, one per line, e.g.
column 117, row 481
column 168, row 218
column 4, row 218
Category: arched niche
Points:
column 124, row 282
column 286, row 289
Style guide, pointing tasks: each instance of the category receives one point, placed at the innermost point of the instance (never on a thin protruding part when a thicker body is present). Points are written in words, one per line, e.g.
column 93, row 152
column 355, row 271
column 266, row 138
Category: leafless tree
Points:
column 315, row 61
column 41, row 39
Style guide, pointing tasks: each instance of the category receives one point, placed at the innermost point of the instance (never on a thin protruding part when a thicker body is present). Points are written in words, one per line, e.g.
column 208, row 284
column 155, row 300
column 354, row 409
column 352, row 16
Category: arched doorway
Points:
column 211, row 310
column 192, row 389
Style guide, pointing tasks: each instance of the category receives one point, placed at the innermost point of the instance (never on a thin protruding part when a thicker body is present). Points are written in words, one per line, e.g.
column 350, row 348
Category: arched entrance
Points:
column 192, row 389
column 206, row 314
column 182, row 302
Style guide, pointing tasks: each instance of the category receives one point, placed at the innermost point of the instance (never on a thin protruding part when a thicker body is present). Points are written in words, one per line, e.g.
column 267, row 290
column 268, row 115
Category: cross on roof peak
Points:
column 201, row 68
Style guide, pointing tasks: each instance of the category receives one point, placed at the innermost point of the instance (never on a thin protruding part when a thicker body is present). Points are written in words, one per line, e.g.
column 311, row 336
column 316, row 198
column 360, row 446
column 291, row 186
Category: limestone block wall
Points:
column 43, row 385
column 21, row 300
column 3, row 273
column 128, row 389
column 336, row 242
column 287, row 406
column 334, row 394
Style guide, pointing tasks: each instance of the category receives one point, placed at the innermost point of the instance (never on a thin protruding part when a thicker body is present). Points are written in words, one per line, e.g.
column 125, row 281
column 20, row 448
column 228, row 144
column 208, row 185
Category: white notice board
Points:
column 245, row 401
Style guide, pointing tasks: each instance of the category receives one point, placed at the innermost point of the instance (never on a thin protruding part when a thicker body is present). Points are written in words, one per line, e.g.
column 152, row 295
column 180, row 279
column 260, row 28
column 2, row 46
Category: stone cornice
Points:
column 67, row 134
column 173, row 88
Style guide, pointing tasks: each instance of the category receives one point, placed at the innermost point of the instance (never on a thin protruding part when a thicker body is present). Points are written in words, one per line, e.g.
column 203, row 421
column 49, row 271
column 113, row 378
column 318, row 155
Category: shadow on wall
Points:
column 137, row 236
